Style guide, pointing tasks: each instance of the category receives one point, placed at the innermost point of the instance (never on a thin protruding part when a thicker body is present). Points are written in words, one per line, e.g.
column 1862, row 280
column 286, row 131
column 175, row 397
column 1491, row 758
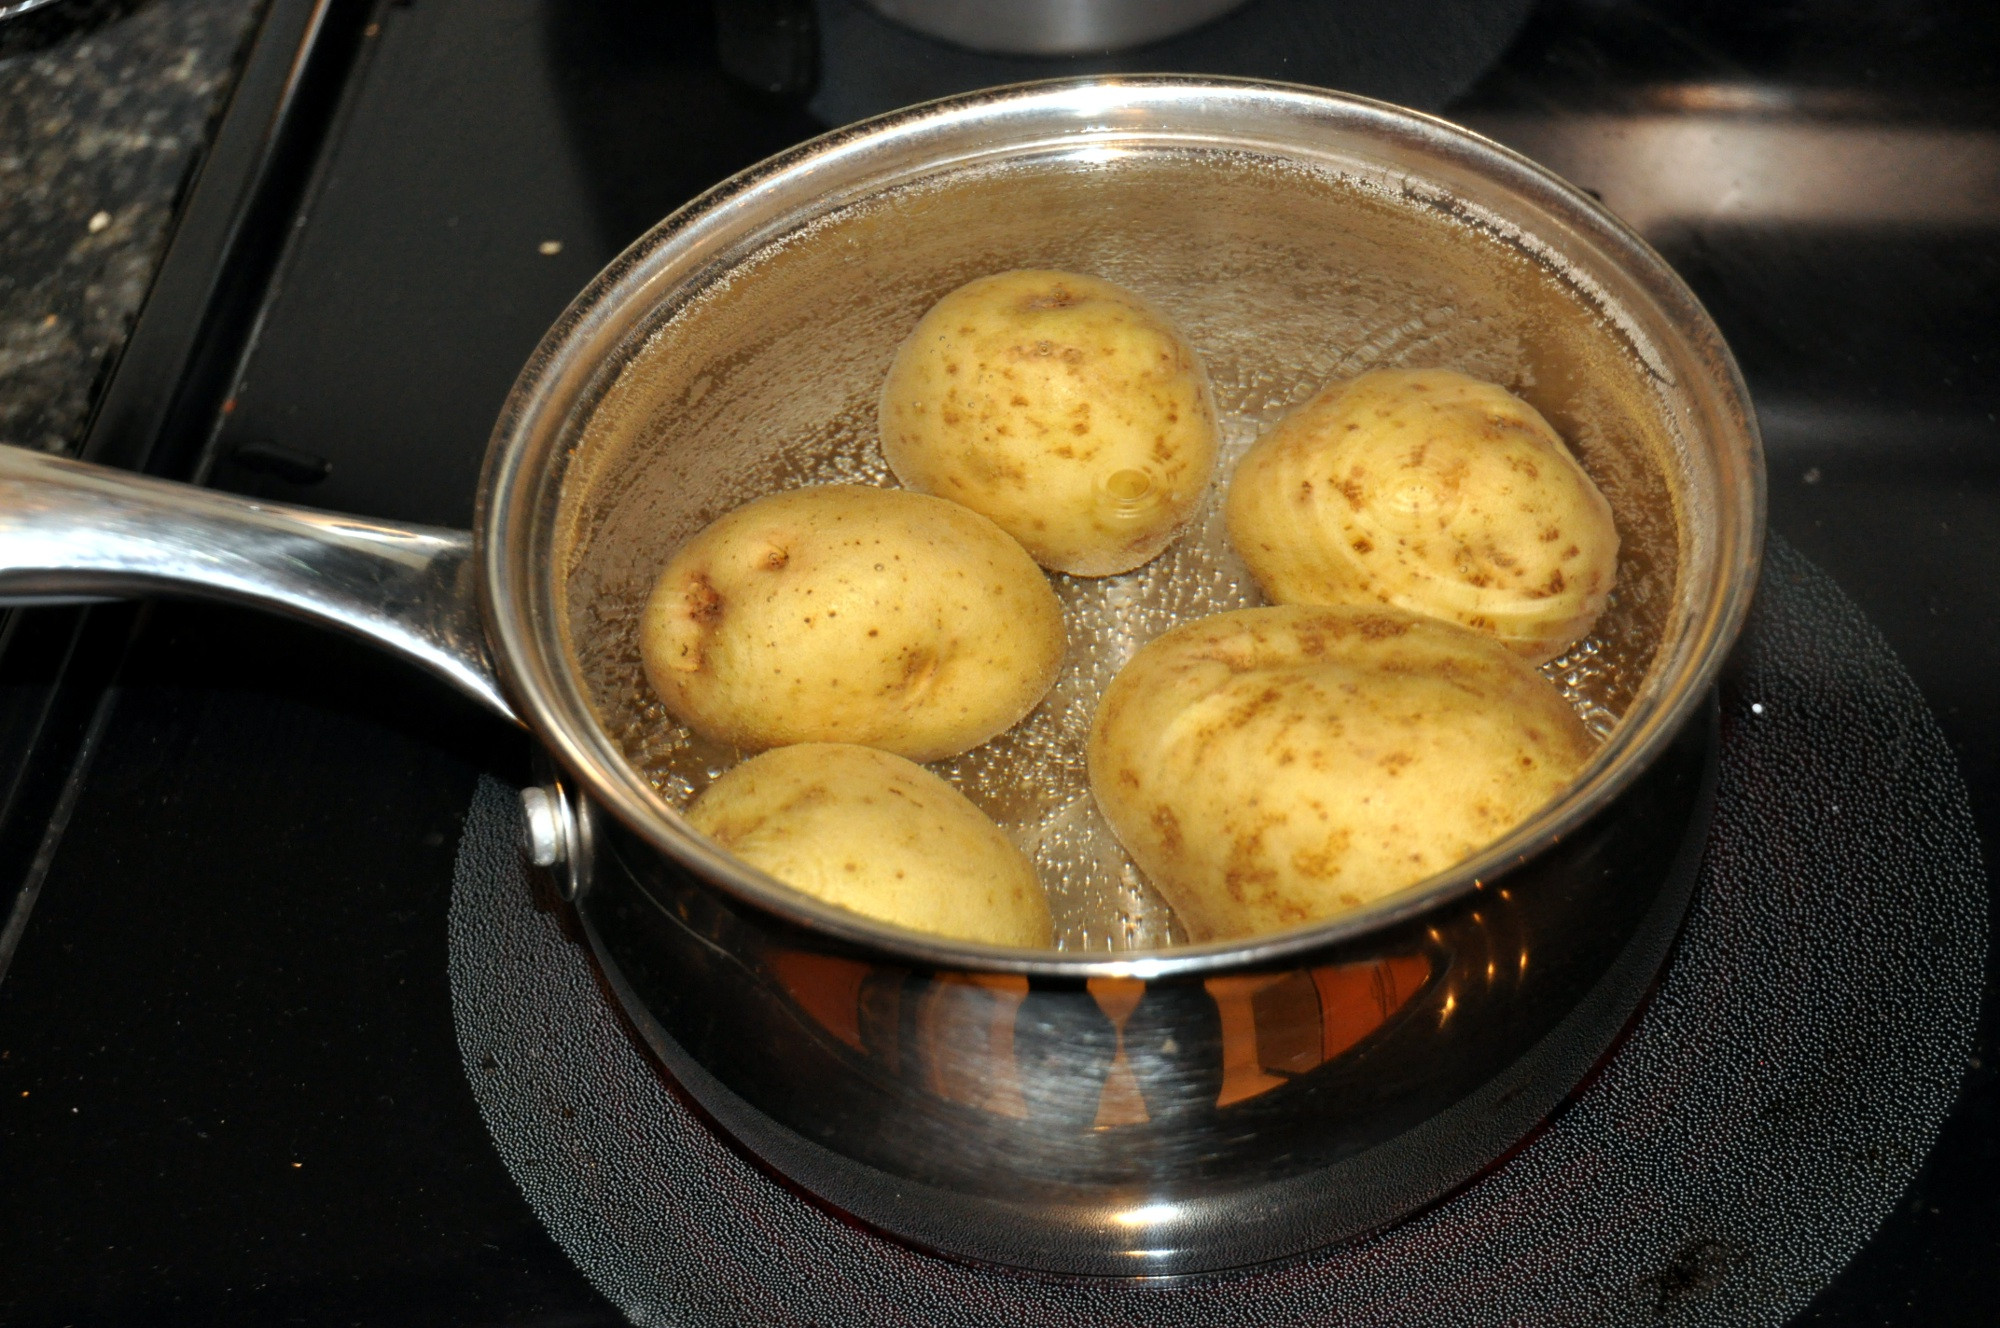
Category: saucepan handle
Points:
column 70, row 531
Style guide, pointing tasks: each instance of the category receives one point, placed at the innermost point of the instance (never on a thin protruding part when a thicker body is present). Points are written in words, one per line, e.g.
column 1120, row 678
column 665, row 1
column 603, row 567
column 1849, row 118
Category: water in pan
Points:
column 1282, row 279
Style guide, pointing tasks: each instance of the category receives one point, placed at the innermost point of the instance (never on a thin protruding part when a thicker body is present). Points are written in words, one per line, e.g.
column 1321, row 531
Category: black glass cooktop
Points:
column 230, row 1087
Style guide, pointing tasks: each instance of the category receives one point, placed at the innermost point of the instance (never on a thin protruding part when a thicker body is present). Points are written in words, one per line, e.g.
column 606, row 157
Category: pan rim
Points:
column 519, row 482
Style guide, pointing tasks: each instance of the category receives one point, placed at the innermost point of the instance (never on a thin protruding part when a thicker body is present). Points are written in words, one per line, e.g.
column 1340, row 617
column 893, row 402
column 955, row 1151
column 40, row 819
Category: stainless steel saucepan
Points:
column 1119, row 1105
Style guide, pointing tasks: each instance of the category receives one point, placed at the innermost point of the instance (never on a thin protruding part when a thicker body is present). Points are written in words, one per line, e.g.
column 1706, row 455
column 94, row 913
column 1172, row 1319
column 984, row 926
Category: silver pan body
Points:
column 1117, row 1107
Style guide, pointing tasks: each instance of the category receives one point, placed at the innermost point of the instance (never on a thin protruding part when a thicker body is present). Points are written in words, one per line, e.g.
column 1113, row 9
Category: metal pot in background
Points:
column 1052, row 27
column 1146, row 1114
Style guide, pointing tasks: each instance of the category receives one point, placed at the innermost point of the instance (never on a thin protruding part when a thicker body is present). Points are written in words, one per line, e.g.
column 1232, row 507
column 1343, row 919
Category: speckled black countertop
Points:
column 105, row 109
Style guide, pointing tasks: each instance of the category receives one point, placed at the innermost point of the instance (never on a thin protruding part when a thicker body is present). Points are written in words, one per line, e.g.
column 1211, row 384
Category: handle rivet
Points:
column 542, row 836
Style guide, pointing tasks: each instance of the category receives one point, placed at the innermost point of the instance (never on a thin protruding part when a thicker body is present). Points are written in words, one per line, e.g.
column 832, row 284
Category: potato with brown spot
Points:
column 1272, row 767
column 1433, row 492
column 846, row 613
column 1067, row 409
column 877, row 835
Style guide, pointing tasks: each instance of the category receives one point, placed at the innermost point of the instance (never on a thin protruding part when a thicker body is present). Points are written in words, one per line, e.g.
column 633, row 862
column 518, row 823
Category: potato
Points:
column 1065, row 408
column 1432, row 492
column 852, row 614
column 875, row 834
column 1271, row 767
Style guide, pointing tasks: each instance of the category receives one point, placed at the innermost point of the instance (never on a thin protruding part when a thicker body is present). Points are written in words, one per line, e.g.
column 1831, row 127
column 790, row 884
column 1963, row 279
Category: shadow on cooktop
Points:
column 652, row 116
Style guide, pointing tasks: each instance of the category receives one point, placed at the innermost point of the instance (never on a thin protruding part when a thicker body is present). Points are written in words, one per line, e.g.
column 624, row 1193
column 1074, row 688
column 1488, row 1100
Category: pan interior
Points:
column 1283, row 277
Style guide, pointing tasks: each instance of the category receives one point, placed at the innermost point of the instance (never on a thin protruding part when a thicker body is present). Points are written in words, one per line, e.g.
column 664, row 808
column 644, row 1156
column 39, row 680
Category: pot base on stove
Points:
column 1158, row 1126
column 1748, row 1132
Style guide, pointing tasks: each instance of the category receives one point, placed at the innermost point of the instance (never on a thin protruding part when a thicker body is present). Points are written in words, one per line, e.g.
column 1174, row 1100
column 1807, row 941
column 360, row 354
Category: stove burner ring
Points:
column 1765, row 1113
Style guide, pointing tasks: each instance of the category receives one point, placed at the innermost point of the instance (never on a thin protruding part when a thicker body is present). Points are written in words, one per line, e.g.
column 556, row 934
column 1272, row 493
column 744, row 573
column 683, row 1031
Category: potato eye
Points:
column 1129, row 486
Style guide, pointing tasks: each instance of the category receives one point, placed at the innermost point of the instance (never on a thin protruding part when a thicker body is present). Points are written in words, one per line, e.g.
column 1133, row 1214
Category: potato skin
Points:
column 845, row 613
column 1277, row 766
column 1432, row 492
column 1064, row 407
column 878, row 835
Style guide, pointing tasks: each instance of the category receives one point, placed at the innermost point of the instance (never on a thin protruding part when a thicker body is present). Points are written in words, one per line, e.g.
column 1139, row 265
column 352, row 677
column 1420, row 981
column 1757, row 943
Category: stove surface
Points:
column 230, row 1082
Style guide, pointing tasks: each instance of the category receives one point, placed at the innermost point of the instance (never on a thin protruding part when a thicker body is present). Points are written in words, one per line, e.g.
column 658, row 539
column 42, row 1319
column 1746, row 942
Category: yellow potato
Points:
column 1271, row 767
column 1432, row 492
column 875, row 834
column 1065, row 408
column 852, row 614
